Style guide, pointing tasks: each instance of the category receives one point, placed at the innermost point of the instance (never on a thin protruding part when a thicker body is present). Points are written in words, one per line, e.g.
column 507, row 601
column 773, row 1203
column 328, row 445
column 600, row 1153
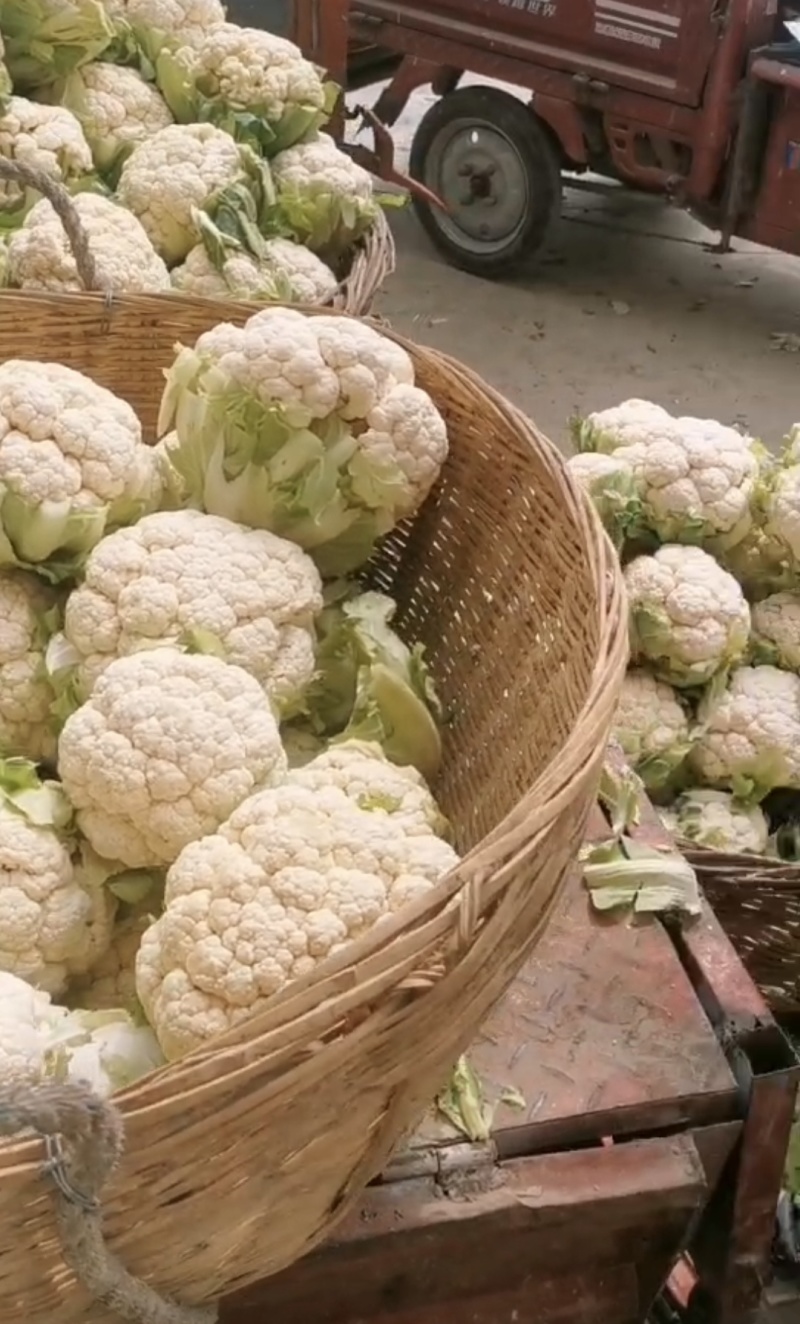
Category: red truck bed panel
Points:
column 660, row 47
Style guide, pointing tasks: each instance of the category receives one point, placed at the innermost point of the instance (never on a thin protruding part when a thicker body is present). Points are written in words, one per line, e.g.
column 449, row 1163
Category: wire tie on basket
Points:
column 55, row 1167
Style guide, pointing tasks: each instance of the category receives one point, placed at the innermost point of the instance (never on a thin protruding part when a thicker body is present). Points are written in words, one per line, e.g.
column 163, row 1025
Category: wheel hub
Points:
column 478, row 172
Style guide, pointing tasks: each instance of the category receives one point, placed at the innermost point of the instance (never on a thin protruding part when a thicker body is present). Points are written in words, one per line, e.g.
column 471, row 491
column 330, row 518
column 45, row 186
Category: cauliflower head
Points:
column 341, row 443
column 688, row 617
column 283, row 271
column 47, row 137
column 652, row 726
column 362, row 770
column 775, row 633
column 750, row 740
column 607, row 430
column 178, row 171
column 27, row 611
column 27, row 1019
column 157, row 24
column 72, row 465
column 201, row 582
column 325, row 199
column 56, row 910
column 611, row 486
column 116, row 108
column 165, row 749
column 40, row 255
column 716, row 820
column 255, row 85
column 292, row 877
column 696, row 479
column 40, row 1040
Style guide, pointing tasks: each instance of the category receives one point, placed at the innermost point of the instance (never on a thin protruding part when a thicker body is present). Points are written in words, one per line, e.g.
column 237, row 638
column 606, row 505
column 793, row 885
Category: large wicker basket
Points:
column 371, row 262
column 757, row 902
column 240, row 1158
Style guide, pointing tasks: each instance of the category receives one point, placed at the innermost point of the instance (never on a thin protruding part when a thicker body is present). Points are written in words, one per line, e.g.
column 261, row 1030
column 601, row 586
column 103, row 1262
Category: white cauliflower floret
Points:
column 367, row 365
column 775, row 633
column 344, row 444
column 751, row 734
column 40, row 254
column 167, row 746
column 239, row 277
column 652, row 726
column 168, row 22
column 47, row 137
column 696, row 479
column 26, row 695
column 292, row 877
column 187, row 578
column 171, row 173
column 117, row 109
column 716, row 820
column 326, row 198
column 611, row 486
column 366, row 776
column 238, row 70
column 26, row 1019
column 406, row 431
column 39, row 1040
column 688, row 617
column 286, row 271
column 302, row 276
column 72, row 463
column 56, row 914
column 622, row 425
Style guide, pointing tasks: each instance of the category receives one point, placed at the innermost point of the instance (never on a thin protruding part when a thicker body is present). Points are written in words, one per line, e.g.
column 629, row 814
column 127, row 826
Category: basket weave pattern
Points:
column 241, row 1157
column 757, row 902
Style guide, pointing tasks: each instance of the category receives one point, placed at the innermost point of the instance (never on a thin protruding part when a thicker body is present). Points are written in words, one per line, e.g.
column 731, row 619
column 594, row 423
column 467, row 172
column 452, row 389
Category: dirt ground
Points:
column 628, row 303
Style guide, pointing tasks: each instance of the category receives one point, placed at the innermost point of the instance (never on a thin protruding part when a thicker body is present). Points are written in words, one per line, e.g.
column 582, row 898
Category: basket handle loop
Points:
column 19, row 172
column 83, row 1138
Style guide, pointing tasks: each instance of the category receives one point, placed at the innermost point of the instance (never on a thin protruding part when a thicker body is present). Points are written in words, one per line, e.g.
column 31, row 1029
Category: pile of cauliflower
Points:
column 215, row 751
column 707, row 524
column 195, row 150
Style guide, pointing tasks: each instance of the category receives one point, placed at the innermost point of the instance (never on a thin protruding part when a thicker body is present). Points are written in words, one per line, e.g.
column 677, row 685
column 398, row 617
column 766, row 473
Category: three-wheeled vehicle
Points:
column 695, row 99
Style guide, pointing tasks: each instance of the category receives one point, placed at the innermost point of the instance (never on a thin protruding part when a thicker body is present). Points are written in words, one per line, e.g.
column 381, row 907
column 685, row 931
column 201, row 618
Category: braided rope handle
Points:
column 83, row 1138
column 28, row 176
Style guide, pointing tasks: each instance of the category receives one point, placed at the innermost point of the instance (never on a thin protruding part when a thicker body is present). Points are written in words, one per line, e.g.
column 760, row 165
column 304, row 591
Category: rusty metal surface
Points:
column 508, row 1252
column 602, row 1034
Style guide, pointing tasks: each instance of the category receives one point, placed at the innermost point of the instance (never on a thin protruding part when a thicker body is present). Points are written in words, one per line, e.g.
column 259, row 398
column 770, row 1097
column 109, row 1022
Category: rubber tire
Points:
column 498, row 109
